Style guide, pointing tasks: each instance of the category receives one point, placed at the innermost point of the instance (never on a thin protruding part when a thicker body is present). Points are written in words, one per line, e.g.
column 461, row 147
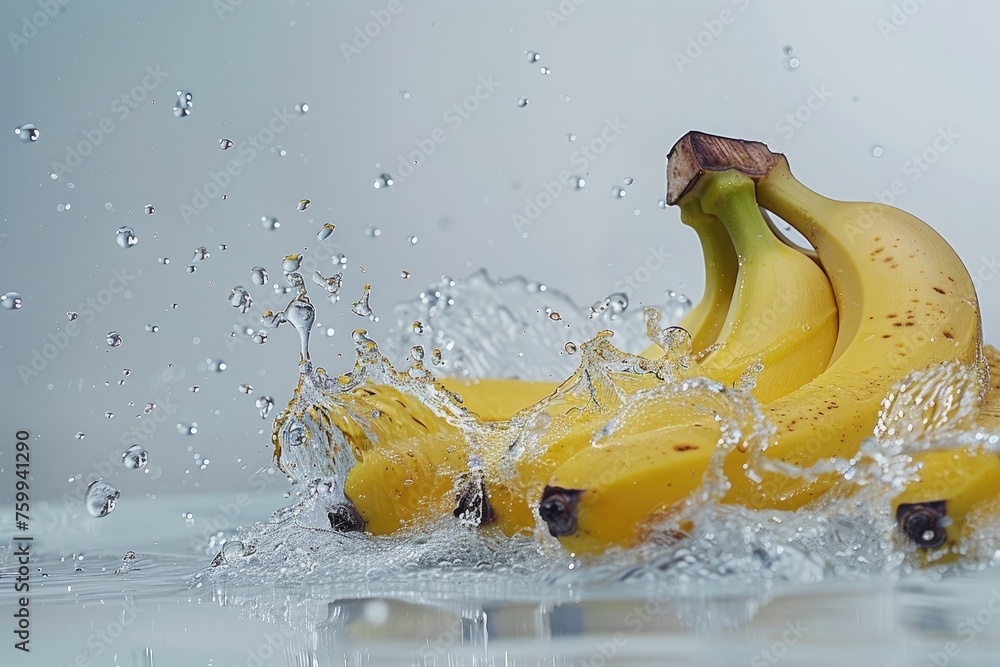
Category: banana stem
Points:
column 730, row 196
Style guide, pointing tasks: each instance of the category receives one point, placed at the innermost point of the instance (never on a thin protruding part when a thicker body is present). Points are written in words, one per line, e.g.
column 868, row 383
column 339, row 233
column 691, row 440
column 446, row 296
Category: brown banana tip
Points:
column 558, row 509
column 345, row 518
column 697, row 152
column 921, row 522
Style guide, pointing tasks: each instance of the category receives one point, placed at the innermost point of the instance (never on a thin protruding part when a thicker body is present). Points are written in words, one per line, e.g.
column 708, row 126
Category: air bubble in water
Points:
column 125, row 237
column 184, row 103
column 240, row 298
column 225, row 144
column 246, row 389
column 325, row 231
column 135, row 457
column 114, row 339
column 302, row 205
column 270, row 224
column 27, row 133
column 522, row 102
column 102, row 497
column 533, row 56
column 291, row 263
column 11, row 301
column 618, row 192
column 265, row 405
column 148, row 209
column 383, row 181
column 258, row 275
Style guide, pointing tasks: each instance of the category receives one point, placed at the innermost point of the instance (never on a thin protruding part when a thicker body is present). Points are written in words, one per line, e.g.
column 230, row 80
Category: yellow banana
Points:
column 905, row 301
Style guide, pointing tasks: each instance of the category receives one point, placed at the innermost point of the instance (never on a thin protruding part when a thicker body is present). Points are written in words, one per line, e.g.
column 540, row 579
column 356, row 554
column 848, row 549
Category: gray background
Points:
column 930, row 75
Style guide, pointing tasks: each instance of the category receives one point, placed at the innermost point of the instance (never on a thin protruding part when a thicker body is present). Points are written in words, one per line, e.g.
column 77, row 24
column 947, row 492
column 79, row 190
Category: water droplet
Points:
column 340, row 259
column 149, row 408
column 27, row 133
column 570, row 137
column 135, row 457
column 11, row 301
column 331, row 284
column 109, row 206
column 792, row 63
column 302, row 205
column 188, row 518
column 163, row 260
column 417, row 353
column 296, row 434
column 618, row 192
column 187, row 429
column 265, row 404
column 270, row 224
column 80, row 435
column 149, row 210
column 522, row 102
column 371, row 231
column 301, row 314
column 436, row 357
column 258, row 275
column 291, row 263
column 194, row 389
column 240, row 298
column 245, row 389
column 152, row 328
column 404, row 274
column 190, row 268
column 629, row 180
column 662, row 203
column 418, row 327
column 878, row 151
column 533, row 56
column 225, row 144
column 545, row 71
column 217, row 365
column 184, row 103
column 324, row 232
column 383, row 181
column 72, row 315
column 361, row 307
column 109, row 415
column 125, row 237
column 555, row 317
column 223, row 247
column 405, row 94
column 302, row 108
column 579, row 182
column 201, row 253
column 260, row 337
column 102, row 497
column 787, row 50
column 62, row 207
column 412, row 240
column 114, row 339
column 570, row 347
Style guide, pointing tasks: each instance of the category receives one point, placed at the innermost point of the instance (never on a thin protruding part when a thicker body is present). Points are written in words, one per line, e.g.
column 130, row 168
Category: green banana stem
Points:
column 783, row 194
column 730, row 196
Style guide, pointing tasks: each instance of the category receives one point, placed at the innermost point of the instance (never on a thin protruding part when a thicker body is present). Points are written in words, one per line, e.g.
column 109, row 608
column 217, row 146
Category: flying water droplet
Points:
column 383, row 181
column 27, row 133
column 200, row 254
column 579, row 183
column 102, row 498
column 570, row 347
column 225, row 144
column 152, row 328
column 878, row 151
column 148, row 209
column 260, row 337
column 404, row 274
column 135, row 457
column 187, row 429
column 533, row 56
column 163, row 260
column 217, row 365
column 340, row 259
column 190, row 268
column 240, row 298
column 291, row 263
column 629, row 180
column 325, row 231
column 662, row 203
column 302, row 205
column 270, row 224
column 412, row 240
column 245, row 389
column 405, row 94
column 125, row 237
column 436, row 357
column 271, row 320
column 570, row 137
column 331, row 285
column 265, row 405
column 258, row 275
column 373, row 232
column 12, row 301
column 418, row 327
column 184, row 103
column 114, row 339
column 301, row 314
column 618, row 192
column 63, row 207
column 361, row 307
column 522, row 102
column 302, row 108
column 70, row 314
column 545, row 71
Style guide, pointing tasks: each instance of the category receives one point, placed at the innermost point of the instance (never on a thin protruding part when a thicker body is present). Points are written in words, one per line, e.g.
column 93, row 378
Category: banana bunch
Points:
column 873, row 334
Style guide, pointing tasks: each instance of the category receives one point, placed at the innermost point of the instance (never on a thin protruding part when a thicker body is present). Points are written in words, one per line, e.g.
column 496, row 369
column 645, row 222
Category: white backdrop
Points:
column 388, row 82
